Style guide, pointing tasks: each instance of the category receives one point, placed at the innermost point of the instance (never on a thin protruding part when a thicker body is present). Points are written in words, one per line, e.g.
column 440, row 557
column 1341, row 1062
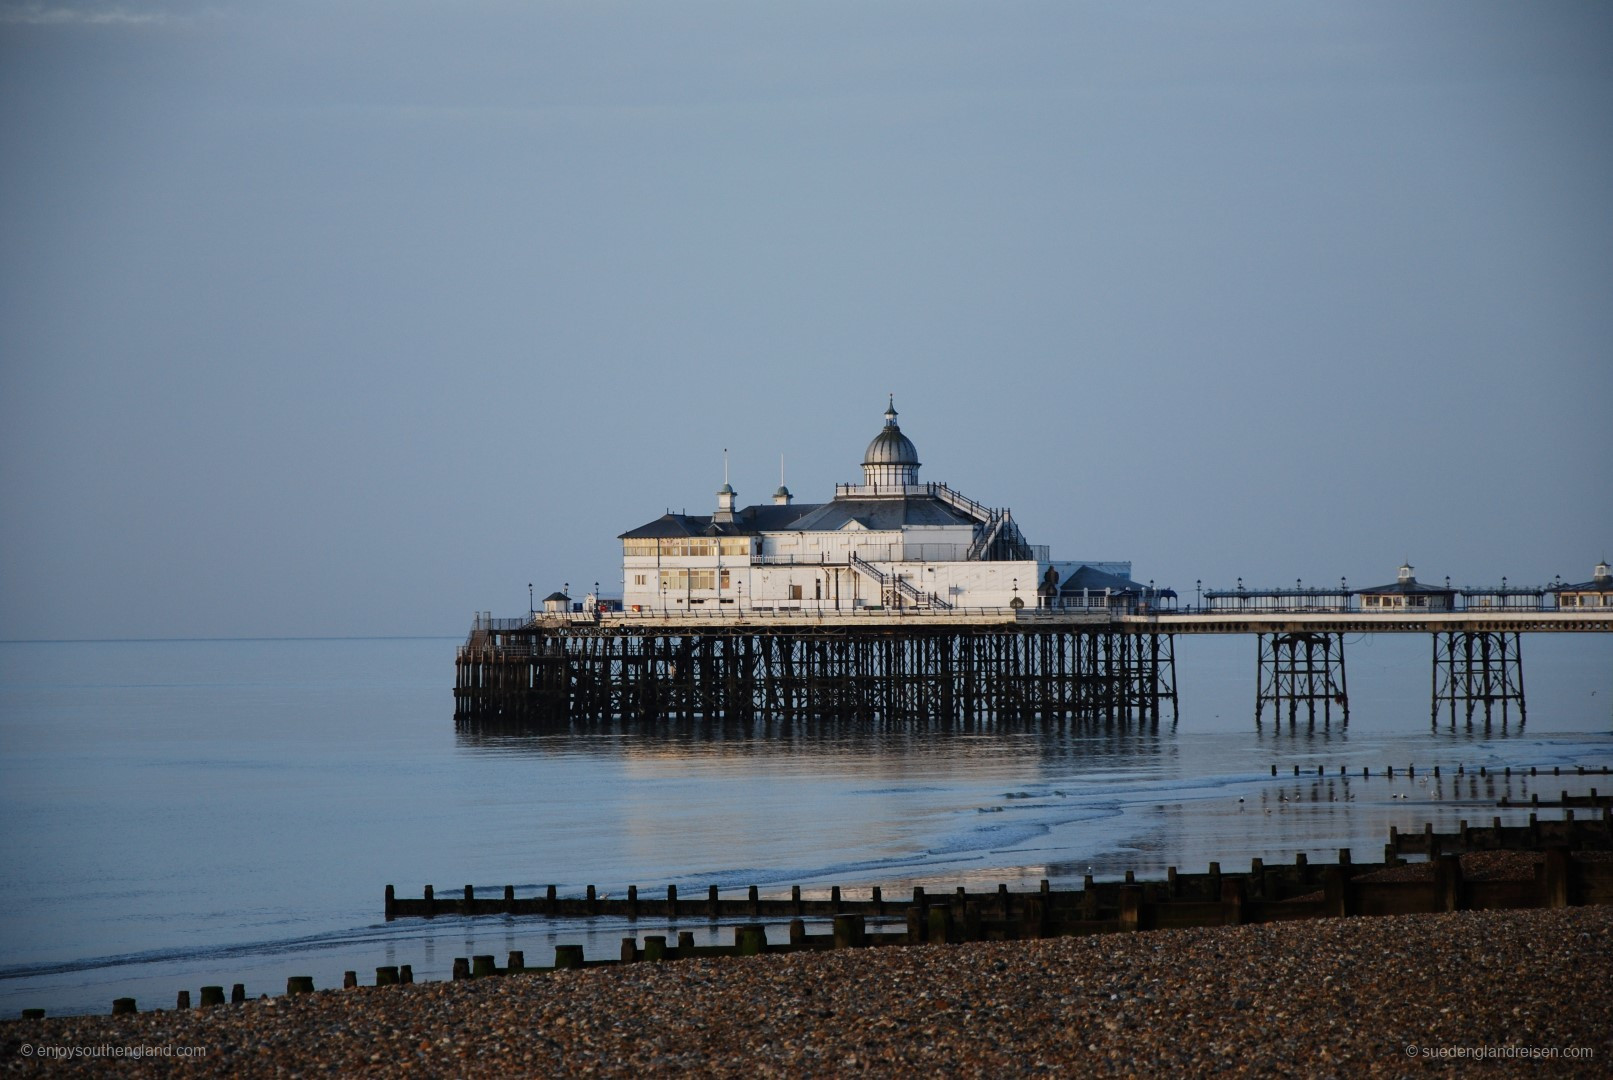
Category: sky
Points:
column 354, row 318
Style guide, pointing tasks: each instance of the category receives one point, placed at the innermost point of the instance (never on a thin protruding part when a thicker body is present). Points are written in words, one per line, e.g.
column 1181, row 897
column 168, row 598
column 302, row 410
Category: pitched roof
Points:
column 878, row 514
column 1091, row 580
column 1408, row 587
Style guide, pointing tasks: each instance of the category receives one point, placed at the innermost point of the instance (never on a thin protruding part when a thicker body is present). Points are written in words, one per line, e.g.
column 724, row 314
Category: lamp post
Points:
column 1198, row 594
column 531, row 604
column 663, row 599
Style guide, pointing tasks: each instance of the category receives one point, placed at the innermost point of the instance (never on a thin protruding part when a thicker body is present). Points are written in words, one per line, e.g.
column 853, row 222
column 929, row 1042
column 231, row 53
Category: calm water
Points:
column 178, row 814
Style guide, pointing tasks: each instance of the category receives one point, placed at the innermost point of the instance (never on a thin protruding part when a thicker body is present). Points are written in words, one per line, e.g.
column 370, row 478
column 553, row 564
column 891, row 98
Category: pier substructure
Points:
column 1302, row 669
column 1473, row 666
column 955, row 675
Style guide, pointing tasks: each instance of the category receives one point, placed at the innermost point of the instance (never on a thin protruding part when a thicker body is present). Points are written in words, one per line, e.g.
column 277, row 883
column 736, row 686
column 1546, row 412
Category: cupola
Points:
column 892, row 460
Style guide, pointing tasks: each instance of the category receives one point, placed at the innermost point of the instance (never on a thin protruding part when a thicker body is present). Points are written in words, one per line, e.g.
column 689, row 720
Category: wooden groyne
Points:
column 1553, row 864
column 1342, row 887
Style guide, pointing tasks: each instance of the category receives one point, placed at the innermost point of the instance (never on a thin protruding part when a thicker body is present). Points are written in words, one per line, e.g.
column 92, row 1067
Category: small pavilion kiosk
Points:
column 1407, row 593
column 1595, row 594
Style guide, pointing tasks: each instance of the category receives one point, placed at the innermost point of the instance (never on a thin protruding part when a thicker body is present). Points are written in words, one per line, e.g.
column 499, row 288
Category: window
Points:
column 638, row 547
column 795, row 592
column 688, row 580
column 640, row 579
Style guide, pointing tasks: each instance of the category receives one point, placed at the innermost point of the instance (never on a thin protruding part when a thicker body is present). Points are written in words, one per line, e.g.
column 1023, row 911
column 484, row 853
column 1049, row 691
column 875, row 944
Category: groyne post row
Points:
column 946, row 674
column 1262, row 884
column 1569, row 873
column 1302, row 890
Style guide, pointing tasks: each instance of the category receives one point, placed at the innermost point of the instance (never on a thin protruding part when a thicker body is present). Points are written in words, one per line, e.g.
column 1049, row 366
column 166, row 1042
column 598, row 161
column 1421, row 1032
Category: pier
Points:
column 901, row 601
column 960, row 667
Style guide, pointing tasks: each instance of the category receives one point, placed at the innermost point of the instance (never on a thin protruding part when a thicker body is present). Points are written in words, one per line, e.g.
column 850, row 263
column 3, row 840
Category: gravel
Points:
column 1333, row 997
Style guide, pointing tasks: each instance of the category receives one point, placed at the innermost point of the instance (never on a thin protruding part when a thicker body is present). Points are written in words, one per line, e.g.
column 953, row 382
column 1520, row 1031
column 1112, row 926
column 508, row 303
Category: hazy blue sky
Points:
column 353, row 318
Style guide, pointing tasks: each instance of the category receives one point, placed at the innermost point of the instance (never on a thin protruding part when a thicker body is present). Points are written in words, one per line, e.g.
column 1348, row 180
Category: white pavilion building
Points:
column 889, row 542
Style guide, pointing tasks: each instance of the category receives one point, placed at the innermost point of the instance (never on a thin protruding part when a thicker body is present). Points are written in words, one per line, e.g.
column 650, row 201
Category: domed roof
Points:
column 890, row 446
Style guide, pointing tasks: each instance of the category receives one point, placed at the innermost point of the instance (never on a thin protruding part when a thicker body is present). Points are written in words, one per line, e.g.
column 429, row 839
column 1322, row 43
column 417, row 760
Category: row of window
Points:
column 693, row 580
column 688, row 546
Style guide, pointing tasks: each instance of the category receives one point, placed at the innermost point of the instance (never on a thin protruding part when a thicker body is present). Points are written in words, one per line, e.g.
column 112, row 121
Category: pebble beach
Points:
column 1502, row 993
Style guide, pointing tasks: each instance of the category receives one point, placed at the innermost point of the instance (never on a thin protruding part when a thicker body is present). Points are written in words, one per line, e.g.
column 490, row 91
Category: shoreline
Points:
column 1340, row 997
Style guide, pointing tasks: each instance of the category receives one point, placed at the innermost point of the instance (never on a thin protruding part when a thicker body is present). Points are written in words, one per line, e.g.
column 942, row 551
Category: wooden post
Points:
column 391, row 901
column 238, row 994
column 406, row 975
column 750, row 939
column 509, row 899
column 797, row 933
column 879, row 896
column 461, row 968
column 711, row 902
column 849, row 932
column 300, row 984
column 123, row 1006
column 940, row 929
column 482, row 966
column 655, row 947
column 753, row 898
column 1034, row 916
column 629, row 951
column 568, row 957
column 971, row 921
column 672, row 902
column 467, row 905
column 685, row 942
column 1131, row 900
column 1334, row 887
column 593, row 900
column 516, row 961
column 551, row 905
column 212, row 995
column 386, row 976
column 1232, row 913
column 632, row 901
column 349, row 980
column 183, row 1001
column 1448, row 883
column 429, row 899
column 1557, row 867
column 834, row 896
column 795, row 901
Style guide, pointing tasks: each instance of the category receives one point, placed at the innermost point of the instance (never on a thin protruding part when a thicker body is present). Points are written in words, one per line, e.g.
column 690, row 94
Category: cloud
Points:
column 36, row 14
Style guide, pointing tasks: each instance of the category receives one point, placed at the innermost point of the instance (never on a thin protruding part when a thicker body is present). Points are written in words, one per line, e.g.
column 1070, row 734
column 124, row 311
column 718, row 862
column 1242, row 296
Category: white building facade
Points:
column 890, row 542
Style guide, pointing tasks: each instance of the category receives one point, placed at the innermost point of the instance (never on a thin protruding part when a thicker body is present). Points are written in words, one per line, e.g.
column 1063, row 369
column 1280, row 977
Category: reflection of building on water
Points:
column 890, row 542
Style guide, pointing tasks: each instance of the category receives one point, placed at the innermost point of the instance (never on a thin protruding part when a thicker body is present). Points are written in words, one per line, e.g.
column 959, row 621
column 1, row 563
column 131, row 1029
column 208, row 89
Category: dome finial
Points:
column 891, row 459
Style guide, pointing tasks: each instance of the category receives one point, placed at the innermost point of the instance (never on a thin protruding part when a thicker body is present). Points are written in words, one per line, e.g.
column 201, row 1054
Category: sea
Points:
column 175, row 814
